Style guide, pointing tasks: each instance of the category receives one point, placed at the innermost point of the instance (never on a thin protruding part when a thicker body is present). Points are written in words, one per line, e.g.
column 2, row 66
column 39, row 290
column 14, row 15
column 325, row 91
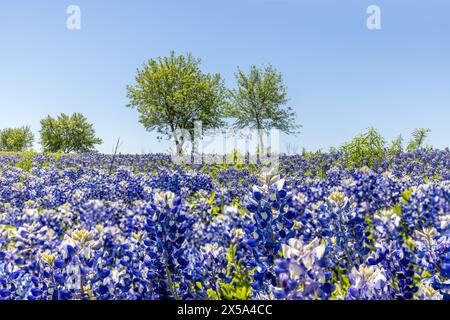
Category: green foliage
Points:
column 342, row 284
column 397, row 208
column 364, row 149
column 57, row 157
column 239, row 288
column 406, row 195
column 68, row 134
column 418, row 138
column 396, row 146
column 26, row 161
column 235, row 157
column 16, row 139
column 171, row 93
column 259, row 102
column 332, row 150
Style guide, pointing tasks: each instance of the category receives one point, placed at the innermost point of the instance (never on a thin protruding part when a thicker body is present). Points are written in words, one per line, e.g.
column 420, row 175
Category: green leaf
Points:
column 406, row 195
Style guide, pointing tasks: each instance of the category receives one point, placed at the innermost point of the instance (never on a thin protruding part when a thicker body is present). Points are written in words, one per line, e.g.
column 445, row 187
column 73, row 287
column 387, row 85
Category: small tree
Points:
column 171, row 93
column 418, row 138
column 16, row 139
column 68, row 134
column 259, row 102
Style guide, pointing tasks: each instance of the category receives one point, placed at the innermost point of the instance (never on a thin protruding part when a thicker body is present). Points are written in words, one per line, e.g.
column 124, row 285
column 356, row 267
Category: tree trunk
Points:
column 261, row 141
column 179, row 146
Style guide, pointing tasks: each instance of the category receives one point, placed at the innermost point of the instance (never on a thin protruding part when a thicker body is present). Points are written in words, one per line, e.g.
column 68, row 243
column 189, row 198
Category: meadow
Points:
column 85, row 227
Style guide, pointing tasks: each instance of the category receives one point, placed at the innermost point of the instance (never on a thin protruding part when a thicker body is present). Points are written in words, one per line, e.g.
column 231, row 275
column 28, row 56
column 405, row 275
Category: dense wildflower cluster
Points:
column 141, row 227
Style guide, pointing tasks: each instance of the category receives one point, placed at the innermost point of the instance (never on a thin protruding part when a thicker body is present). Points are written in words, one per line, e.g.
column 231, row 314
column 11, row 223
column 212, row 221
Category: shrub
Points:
column 367, row 149
column 418, row 138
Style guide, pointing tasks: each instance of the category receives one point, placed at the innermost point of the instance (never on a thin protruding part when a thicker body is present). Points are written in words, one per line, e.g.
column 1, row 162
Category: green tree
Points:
column 418, row 138
column 259, row 102
column 172, row 93
column 16, row 139
column 68, row 134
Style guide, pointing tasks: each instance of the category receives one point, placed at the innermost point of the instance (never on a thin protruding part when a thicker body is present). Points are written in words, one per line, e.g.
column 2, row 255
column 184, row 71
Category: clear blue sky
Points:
column 341, row 77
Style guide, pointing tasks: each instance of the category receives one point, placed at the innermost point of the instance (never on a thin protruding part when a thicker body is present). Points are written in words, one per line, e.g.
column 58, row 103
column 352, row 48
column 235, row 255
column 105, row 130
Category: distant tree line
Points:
column 61, row 134
column 172, row 93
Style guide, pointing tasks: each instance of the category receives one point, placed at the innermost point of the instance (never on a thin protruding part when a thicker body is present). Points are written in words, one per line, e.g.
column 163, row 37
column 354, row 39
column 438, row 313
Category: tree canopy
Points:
column 68, row 134
column 16, row 139
column 172, row 93
column 259, row 101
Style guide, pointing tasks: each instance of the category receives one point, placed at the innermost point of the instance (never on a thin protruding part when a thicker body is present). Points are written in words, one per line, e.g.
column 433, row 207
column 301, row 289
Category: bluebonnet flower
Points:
column 367, row 282
column 77, row 227
column 302, row 272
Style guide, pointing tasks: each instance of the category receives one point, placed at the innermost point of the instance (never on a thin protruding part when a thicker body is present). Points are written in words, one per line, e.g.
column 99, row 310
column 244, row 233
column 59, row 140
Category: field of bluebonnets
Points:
column 75, row 227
